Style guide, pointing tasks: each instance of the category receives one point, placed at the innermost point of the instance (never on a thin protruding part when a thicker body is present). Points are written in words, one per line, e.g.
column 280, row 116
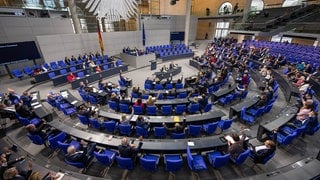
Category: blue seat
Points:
column 210, row 127
column 256, row 112
column 54, row 65
column 95, row 123
column 173, row 162
column 113, row 105
column 125, row 129
column 62, row 64
column 124, row 108
column 106, row 158
column 264, row 160
column 151, row 110
column 51, row 75
column 83, row 119
column 147, row 86
column 53, row 140
column 144, row 96
column 246, row 117
column 179, row 86
column 182, row 95
column 217, row 159
column 194, row 108
column 178, row 135
column 169, row 86
column 208, row 107
column 225, row 100
column 195, row 162
column 140, row 131
column 69, row 111
column 110, row 126
column 124, row 163
column 17, row 73
column 63, row 71
column 283, row 139
column 73, row 69
column 138, row 110
column 64, row 145
column 122, row 83
column 46, row 65
column 241, row 158
column 180, row 108
column 36, row 139
column 194, row 130
column 225, row 124
column 26, row 121
column 28, row 71
column 80, row 74
column 267, row 108
column 158, row 87
column 166, row 110
column 160, row 132
column 149, row 162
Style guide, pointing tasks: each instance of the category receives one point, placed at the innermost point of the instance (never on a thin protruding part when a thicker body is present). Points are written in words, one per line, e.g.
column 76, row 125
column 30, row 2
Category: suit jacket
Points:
column 129, row 152
column 23, row 175
column 236, row 148
column 261, row 154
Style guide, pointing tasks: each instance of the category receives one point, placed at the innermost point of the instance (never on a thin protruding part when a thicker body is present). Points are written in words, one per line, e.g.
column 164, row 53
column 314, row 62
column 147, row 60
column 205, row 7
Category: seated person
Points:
column 203, row 101
column 236, row 148
column 81, row 156
column 172, row 66
column 40, row 130
column 13, row 173
column 13, row 96
column 164, row 68
column 151, row 100
column 127, row 150
column 139, row 103
column 127, row 81
column 71, row 77
column 262, row 151
column 142, row 122
column 178, row 128
column 84, row 111
column 26, row 98
column 6, row 163
column 124, row 120
column 98, row 69
column 24, row 111
column 303, row 113
column 311, row 124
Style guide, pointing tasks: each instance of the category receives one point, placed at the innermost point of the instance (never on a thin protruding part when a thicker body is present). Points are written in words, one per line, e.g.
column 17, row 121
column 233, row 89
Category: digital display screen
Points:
column 17, row 51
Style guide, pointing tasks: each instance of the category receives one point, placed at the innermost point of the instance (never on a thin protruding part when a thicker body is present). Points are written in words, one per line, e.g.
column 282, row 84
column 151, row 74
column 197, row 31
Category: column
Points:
column 187, row 27
column 73, row 11
column 246, row 11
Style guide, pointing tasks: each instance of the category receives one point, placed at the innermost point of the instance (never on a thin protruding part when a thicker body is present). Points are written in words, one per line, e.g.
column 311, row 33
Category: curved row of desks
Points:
column 149, row 145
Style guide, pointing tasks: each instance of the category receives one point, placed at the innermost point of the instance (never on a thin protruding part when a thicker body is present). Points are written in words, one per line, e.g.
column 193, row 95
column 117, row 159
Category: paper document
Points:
column 190, row 143
column 74, row 102
column 37, row 106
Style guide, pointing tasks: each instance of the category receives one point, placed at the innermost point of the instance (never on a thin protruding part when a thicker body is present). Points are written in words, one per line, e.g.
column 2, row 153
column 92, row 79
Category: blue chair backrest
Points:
column 182, row 95
column 106, row 157
column 242, row 157
column 180, row 108
column 113, row 105
column 124, row 108
column 63, row 71
column 51, row 75
column 160, row 132
column 80, row 74
column 179, row 86
column 208, row 107
column 194, row 130
column 53, row 141
column 148, row 164
column 151, row 110
column 225, row 124
column 266, row 159
column 194, row 107
column 190, row 159
column 124, row 163
column 173, row 165
column 178, row 135
column 125, row 129
column 73, row 69
column 158, row 87
column 36, row 139
column 220, row 161
column 141, row 131
column 166, row 110
column 211, row 127
column 95, row 123
column 83, row 119
column 110, row 126
column 138, row 110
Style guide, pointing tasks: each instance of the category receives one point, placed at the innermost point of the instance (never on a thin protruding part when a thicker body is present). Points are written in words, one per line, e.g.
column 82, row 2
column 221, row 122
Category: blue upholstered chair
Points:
column 149, row 162
column 125, row 129
column 110, row 126
column 225, row 124
column 140, row 131
column 166, row 110
column 138, row 110
column 195, row 162
column 106, row 158
column 217, row 159
column 194, row 130
column 246, row 117
column 124, row 163
column 95, row 123
column 36, row 139
column 210, row 127
column 160, row 132
column 173, row 162
column 178, row 135
column 241, row 158
column 151, row 110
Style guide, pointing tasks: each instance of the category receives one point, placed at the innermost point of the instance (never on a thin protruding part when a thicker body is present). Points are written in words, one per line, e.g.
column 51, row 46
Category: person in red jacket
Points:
column 71, row 77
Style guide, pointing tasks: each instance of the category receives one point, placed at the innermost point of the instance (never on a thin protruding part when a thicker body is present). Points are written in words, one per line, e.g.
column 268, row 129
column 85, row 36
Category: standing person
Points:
column 127, row 150
column 235, row 9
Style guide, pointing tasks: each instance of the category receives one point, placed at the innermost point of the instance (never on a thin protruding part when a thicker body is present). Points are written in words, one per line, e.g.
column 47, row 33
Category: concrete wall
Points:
column 55, row 47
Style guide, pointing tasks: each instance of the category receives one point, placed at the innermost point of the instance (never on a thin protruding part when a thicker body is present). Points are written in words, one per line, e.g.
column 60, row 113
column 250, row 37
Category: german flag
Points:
column 100, row 38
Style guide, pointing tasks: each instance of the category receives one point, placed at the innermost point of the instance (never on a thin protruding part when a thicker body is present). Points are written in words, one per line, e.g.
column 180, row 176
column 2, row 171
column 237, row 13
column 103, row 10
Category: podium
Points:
column 153, row 64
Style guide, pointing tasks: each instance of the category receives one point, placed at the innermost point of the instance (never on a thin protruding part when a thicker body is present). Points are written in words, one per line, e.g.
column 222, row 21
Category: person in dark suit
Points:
column 127, row 150
column 6, row 163
column 81, row 156
column 24, row 111
column 262, row 151
column 14, row 174
column 26, row 98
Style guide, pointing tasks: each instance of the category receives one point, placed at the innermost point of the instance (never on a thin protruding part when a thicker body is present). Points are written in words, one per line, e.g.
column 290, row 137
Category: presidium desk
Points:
column 138, row 61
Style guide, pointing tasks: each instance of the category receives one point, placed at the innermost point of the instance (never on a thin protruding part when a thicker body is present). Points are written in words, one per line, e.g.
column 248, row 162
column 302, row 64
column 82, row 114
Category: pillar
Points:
column 187, row 27
column 73, row 11
column 246, row 11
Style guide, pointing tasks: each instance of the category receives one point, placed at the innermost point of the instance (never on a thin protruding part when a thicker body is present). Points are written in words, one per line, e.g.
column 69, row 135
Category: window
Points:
column 225, row 8
column 222, row 29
